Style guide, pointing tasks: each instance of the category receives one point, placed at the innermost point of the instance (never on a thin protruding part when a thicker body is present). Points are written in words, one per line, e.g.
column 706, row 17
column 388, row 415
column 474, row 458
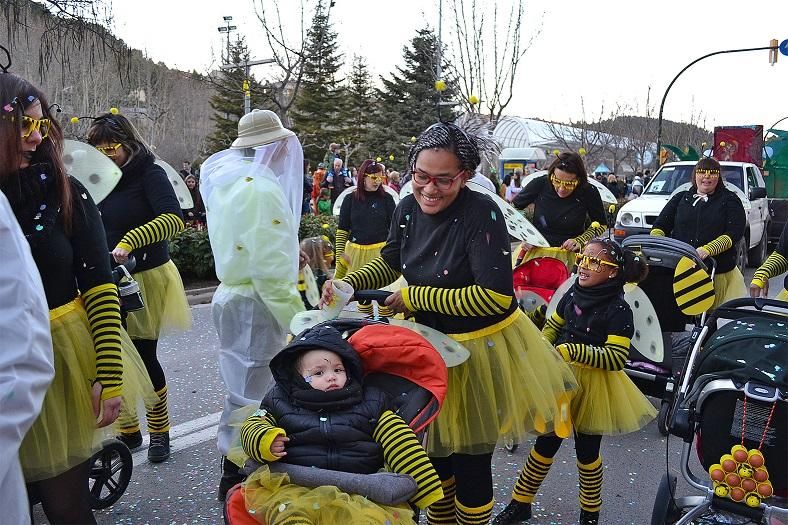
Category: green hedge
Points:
column 191, row 249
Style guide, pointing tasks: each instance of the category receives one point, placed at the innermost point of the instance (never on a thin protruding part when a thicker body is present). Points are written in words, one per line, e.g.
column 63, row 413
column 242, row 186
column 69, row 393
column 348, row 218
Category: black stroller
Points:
column 658, row 378
column 732, row 405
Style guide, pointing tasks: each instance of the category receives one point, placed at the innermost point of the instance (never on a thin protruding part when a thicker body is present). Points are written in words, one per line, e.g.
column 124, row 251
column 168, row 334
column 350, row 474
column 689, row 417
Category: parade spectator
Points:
column 317, row 184
column 307, row 193
column 195, row 214
column 337, row 179
column 612, row 185
column 452, row 247
column 591, row 328
column 394, row 181
column 253, row 227
column 186, row 169
column 331, row 155
column 515, row 185
column 710, row 218
column 364, row 220
column 637, row 189
column 568, row 210
column 324, row 202
column 26, row 362
column 140, row 217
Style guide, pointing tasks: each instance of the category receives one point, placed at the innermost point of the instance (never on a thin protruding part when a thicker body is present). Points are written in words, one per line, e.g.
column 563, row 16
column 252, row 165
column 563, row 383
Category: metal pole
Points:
column 438, row 68
column 247, row 92
column 665, row 96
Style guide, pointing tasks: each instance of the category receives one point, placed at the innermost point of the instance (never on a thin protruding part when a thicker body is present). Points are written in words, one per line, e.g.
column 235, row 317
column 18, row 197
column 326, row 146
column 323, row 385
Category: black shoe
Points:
column 589, row 518
column 132, row 440
column 159, row 449
column 515, row 512
column 231, row 476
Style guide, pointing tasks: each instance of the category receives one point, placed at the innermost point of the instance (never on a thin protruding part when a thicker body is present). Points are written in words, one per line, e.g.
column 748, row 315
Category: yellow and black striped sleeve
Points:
column 774, row 265
column 594, row 230
column 163, row 227
column 404, row 454
column 103, row 311
column 471, row 300
column 552, row 327
column 258, row 433
column 718, row 245
column 373, row 275
column 610, row 356
column 339, row 250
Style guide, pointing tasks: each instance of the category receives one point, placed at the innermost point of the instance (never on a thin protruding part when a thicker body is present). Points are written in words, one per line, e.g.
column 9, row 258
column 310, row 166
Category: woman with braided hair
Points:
column 140, row 215
column 452, row 247
column 63, row 227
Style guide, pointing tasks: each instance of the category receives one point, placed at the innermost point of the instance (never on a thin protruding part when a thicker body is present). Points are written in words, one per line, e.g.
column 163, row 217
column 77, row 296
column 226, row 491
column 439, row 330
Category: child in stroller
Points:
column 732, row 403
column 324, row 413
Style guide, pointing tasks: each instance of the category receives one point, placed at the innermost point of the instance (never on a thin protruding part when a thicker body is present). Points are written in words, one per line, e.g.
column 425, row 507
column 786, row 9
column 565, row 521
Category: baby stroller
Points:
column 536, row 280
column 654, row 370
column 732, row 403
column 417, row 396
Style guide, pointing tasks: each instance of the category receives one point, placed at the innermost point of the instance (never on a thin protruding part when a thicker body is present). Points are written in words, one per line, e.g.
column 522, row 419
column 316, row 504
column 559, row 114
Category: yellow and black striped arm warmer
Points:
column 258, row 433
column 403, row 454
column 552, row 327
column 373, row 275
column 657, row 232
column 103, row 311
column 595, row 230
column 718, row 245
column 163, row 227
column 471, row 300
column 611, row 356
column 339, row 245
column 774, row 265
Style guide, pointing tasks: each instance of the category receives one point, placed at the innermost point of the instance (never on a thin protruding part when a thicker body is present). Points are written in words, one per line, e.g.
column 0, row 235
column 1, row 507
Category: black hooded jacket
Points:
column 331, row 430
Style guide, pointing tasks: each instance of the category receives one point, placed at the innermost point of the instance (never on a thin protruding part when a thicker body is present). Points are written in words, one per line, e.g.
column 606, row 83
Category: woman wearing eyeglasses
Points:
column 711, row 218
column 591, row 329
column 63, row 227
column 568, row 210
column 452, row 247
column 364, row 220
column 140, row 215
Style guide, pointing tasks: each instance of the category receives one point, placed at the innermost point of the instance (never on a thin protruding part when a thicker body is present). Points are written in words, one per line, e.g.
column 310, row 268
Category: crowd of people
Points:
column 84, row 367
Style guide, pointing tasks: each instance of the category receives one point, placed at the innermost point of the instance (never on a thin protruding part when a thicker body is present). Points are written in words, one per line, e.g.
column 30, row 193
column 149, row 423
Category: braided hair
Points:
column 450, row 138
column 633, row 267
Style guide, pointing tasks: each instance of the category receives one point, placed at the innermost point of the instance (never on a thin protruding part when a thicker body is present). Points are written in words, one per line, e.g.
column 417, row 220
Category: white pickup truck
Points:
column 638, row 215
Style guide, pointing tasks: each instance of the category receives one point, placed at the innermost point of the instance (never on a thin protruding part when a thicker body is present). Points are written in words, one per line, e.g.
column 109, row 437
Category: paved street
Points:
column 183, row 489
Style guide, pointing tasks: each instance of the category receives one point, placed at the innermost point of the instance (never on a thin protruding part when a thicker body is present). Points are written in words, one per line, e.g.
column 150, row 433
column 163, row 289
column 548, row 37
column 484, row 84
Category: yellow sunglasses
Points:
column 568, row 184
column 30, row 125
column 109, row 151
column 376, row 178
column 594, row 264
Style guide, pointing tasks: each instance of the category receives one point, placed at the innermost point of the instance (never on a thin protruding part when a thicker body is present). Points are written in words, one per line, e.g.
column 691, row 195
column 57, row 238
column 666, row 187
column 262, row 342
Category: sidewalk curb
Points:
column 200, row 295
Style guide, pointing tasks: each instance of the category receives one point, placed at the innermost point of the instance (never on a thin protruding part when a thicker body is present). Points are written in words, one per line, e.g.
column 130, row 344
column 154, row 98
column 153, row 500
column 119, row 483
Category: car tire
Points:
column 741, row 254
column 757, row 254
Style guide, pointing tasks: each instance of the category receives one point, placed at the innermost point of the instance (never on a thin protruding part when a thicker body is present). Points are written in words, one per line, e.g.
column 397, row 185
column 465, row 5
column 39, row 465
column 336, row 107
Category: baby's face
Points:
column 323, row 370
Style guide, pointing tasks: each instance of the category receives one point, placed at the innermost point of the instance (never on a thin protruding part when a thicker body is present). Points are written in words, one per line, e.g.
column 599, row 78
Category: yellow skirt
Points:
column 568, row 258
column 65, row 433
column 727, row 286
column 510, row 386
column 271, row 499
column 608, row 403
column 359, row 255
column 166, row 308
column 782, row 296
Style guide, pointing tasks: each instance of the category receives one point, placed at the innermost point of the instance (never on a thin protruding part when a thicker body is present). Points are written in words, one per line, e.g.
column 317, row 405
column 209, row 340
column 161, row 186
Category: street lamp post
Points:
column 247, row 64
column 227, row 30
column 665, row 96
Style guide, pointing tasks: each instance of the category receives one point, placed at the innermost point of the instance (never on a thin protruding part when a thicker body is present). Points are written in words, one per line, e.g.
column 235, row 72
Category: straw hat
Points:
column 258, row 128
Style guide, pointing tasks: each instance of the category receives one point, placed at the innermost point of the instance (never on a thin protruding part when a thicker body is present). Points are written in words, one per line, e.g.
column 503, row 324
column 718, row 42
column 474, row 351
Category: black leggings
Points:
column 147, row 350
column 472, row 475
column 586, row 446
column 65, row 497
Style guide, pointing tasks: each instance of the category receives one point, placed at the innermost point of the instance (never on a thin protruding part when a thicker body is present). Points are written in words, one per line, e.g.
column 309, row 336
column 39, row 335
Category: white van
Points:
column 639, row 215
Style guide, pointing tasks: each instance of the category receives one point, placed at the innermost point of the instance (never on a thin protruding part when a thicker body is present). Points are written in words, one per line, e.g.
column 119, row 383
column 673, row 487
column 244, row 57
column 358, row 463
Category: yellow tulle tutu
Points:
column 510, row 386
column 727, row 286
column 272, row 499
column 359, row 255
column 65, row 433
column 783, row 295
column 568, row 258
column 166, row 308
column 608, row 403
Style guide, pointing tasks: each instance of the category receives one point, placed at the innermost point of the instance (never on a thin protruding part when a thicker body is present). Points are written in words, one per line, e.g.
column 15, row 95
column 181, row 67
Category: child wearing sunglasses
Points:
column 364, row 220
column 591, row 329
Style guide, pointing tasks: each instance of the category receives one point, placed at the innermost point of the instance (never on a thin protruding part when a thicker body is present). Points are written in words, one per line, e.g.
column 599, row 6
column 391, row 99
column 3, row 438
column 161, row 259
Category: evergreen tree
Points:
column 358, row 111
column 228, row 101
column 408, row 101
column 319, row 102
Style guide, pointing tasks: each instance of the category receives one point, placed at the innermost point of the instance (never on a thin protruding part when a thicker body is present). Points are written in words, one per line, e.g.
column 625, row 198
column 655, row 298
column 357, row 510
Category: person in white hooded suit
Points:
column 252, row 194
column 26, row 359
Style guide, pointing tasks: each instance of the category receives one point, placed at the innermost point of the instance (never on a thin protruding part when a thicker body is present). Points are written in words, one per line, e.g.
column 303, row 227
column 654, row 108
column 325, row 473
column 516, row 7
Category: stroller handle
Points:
column 124, row 270
column 379, row 296
column 735, row 308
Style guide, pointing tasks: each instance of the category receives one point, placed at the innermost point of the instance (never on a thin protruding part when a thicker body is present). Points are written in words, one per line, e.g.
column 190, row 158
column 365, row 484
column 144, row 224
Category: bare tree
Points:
column 583, row 133
column 486, row 53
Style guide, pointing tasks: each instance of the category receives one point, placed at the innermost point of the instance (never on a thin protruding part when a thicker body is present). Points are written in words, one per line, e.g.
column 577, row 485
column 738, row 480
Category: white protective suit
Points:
column 253, row 207
column 26, row 360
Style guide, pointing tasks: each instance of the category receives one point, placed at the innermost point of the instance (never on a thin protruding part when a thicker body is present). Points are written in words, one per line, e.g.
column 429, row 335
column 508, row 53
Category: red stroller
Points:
column 396, row 360
column 542, row 276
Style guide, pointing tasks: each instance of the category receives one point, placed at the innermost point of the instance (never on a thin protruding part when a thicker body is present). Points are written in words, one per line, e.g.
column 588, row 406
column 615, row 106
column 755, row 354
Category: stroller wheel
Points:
column 510, row 445
column 665, row 511
column 110, row 473
column 663, row 418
